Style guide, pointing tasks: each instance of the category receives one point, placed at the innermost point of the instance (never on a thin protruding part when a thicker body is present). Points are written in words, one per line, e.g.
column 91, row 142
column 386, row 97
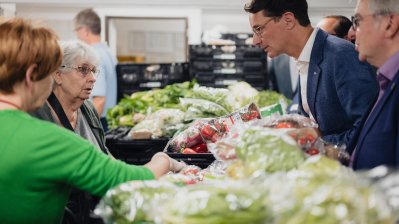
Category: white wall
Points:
column 201, row 15
column 8, row 9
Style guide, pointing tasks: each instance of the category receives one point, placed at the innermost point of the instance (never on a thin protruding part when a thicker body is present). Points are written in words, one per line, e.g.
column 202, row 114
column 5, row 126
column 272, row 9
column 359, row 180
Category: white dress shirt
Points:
column 302, row 64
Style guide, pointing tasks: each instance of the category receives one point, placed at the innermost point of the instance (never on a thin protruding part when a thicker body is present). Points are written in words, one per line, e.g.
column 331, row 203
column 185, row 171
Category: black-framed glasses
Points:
column 258, row 29
column 84, row 70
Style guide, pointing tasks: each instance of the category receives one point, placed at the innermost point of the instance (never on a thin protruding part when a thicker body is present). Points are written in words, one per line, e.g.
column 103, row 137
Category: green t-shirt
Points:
column 39, row 162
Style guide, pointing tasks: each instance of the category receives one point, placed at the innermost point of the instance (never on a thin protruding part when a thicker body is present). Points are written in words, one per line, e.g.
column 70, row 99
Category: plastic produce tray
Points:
column 139, row 152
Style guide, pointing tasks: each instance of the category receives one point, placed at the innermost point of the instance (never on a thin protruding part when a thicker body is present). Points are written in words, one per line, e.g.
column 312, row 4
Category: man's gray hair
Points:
column 77, row 52
column 89, row 19
column 384, row 6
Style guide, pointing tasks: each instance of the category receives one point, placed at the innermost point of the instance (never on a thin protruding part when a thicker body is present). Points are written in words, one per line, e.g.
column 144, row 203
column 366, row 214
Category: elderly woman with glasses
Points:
column 41, row 162
column 68, row 104
column 69, row 107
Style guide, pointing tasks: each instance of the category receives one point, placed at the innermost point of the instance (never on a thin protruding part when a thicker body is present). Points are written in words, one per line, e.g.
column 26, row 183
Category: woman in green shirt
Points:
column 39, row 161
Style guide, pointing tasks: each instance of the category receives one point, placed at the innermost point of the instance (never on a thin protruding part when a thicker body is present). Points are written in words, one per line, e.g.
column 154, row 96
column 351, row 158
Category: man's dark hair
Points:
column 89, row 19
column 276, row 8
column 343, row 25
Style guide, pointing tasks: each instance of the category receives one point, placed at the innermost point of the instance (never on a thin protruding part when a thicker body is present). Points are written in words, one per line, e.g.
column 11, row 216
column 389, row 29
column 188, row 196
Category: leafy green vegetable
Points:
column 270, row 151
column 134, row 202
column 269, row 97
column 220, row 96
column 223, row 203
column 322, row 199
column 140, row 102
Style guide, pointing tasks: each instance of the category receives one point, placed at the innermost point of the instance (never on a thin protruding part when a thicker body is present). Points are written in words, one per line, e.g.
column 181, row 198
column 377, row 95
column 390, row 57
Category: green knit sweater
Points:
column 39, row 162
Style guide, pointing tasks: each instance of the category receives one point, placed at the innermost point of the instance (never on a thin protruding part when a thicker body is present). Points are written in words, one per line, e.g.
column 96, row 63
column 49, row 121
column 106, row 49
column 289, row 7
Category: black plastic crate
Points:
column 133, row 77
column 140, row 152
column 136, row 152
column 238, row 38
column 228, row 66
column 202, row 160
column 226, row 52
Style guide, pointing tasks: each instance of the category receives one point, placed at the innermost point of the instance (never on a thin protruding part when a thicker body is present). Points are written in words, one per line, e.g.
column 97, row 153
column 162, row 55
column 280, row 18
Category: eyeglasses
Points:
column 258, row 29
column 357, row 18
column 84, row 70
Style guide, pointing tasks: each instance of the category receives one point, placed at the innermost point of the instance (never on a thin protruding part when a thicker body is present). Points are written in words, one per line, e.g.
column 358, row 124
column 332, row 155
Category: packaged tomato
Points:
column 189, row 137
column 219, row 127
column 291, row 121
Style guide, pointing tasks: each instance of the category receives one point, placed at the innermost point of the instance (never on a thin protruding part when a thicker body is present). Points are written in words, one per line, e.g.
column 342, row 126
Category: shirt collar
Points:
column 307, row 49
column 390, row 67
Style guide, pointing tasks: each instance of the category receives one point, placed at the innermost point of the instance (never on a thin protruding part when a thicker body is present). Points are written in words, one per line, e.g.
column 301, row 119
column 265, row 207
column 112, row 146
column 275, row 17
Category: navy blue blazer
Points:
column 378, row 140
column 340, row 88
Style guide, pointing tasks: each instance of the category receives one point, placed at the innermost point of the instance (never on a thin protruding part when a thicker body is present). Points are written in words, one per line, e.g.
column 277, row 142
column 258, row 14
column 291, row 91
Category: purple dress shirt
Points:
column 385, row 74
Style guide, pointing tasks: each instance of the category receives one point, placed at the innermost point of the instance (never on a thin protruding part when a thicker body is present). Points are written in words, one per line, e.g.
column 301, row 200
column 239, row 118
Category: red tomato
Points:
column 188, row 151
column 312, row 151
column 302, row 141
column 254, row 114
column 284, row 124
column 207, row 131
column 200, row 148
column 310, row 137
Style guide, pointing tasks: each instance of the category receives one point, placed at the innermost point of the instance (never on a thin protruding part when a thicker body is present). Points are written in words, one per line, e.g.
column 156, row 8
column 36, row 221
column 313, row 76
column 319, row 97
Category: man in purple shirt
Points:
column 377, row 39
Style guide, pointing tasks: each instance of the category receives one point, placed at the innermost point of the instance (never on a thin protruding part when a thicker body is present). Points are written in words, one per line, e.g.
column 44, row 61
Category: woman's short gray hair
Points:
column 76, row 51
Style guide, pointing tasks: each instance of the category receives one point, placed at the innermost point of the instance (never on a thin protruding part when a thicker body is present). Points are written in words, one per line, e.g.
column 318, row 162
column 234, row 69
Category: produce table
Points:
column 139, row 152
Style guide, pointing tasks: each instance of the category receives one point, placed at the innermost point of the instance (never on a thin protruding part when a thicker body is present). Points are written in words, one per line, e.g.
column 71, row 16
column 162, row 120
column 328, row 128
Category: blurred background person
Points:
column 284, row 75
column 104, row 93
column 352, row 35
column 41, row 162
column 336, row 25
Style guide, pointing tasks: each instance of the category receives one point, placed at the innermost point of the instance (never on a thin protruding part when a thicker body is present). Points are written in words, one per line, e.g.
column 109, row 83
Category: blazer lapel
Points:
column 314, row 72
column 391, row 88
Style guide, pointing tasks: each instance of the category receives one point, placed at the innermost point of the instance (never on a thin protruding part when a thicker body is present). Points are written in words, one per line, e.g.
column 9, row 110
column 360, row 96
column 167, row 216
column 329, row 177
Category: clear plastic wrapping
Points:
column 268, row 150
column 200, row 108
column 134, row 202
column 220, row 96
column 189, row 137
column 216, row 203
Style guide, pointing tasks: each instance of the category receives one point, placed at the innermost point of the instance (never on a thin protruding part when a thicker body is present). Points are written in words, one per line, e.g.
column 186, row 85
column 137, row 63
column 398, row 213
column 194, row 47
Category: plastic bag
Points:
column 219, row 96
column 150, row 128
column 187, row 138
column 219, row 202
column 218, row 127
column 188, row 175
column 134, row 202
column 292, row 121
column 268, row 150
column 199, row 108
column 298, row 197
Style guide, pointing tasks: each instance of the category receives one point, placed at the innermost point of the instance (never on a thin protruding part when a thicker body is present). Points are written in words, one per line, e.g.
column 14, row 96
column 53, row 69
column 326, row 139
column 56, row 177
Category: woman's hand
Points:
column 161, row 164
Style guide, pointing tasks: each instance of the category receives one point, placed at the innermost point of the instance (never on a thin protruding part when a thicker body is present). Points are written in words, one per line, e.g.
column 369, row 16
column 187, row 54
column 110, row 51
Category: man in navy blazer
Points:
column 335, row 88
column 377, row 40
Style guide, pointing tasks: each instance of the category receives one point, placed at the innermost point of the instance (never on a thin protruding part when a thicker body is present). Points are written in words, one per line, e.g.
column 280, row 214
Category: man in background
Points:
column 377, row 39
column 334, row 87
column 336, row 25
column 104, row 93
